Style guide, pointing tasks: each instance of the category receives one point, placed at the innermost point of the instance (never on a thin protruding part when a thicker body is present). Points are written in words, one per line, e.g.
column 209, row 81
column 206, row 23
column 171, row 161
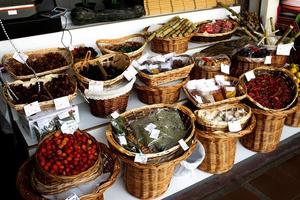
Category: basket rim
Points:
column 162, row 88
column 215, row 34
column 122, row 150
column 267, row 68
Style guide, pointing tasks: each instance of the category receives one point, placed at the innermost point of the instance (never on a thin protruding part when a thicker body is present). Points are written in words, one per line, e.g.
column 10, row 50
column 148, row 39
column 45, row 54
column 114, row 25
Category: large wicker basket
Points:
column 206, row 37
column 64, row 52
column 104, row 43
column 44, row 104
column 240, row 94
column 168, row 76
column 111, row 164
column 285, row 74
column 220, row 148
column 159, row 94
column 266, row 135
column 294, row 118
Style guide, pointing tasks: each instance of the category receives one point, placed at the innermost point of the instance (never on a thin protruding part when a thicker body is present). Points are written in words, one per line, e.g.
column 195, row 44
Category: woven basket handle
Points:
column 86, row 59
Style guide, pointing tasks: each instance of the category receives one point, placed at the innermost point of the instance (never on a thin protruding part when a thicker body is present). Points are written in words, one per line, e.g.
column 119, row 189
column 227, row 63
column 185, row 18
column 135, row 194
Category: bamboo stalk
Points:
column 180, row 30
column 166, row 26
column 181, row 34
column 177, row 28
column 248, row 33
column 294, row 37
column 285, row 35
column 272, row 24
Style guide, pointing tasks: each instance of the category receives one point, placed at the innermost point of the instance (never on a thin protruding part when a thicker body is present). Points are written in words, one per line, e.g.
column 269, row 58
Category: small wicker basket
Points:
column 104, row 43
column 294, row 118
column 220, row 148
column 241, row 65
column 111, row 164
column 64, row 52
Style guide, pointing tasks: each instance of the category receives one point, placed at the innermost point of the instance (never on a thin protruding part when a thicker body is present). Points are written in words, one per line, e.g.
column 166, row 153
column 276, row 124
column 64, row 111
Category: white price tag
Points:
column 230, row 89
column 62, row 102
column 115, row 115
column 12, row 12
column 150, row 127
column 63, row 115
column 96, row 87
column 154, row 134
column 219, row 78
column 32, row 108
column 183, row 145
column 20, row 57
column 122, row 140
column 234, row 126
column 73, row 197
column 225, row 68
column 130, row 73
column 158, row 58
column 250, row 75
column 198, row 99
column 284, row 49
column 268, row 60
column 140, row 158
column 69, row 127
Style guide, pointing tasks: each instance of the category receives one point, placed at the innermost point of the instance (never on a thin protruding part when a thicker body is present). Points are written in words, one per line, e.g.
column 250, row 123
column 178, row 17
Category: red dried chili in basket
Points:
column 270, row 91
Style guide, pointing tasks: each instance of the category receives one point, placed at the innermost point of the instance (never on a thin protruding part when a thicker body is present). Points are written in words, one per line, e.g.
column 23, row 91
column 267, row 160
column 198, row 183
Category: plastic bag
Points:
column 187, row 166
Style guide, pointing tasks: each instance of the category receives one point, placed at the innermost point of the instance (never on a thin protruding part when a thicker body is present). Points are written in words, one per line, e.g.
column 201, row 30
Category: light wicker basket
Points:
column 294, row 118
column 64, row 52
column 220, row 148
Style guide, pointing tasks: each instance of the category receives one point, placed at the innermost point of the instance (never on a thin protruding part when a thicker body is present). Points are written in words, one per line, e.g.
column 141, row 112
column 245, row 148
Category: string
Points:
column 64, row 29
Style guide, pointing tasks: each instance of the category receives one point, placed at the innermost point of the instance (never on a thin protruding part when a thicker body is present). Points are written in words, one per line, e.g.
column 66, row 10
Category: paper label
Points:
column 159, row 58
column 12, row 12
column 20, row 57
column 150, row 127
column 250, row 75
column 135, row 64
column 225, row 68
column 234, row 126
column 122, row 140
column 154, row 134
column 130, row 73
column 143, row 58
column 32, row 108
column 140, row 158
column 115, row 115
column 268, row 60
column 284, row 49
column 73, row 197
column 198, row 99
column 230, row 89
column 183, row 145
column 96, row 87
column 219, row 78
column 69, row 127
column 62, row 102
column 63, row 115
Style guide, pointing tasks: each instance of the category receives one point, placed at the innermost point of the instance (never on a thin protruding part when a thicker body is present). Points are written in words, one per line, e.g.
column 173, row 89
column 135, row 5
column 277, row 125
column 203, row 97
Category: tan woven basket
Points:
column 168, row 76
column 44, row 105
column 294, row 118
column 274, row 71
column 188, row 120
column 266, row 135
column 46, row 183
column 159, row 94
column 104, row 43
column 64, row 52
column 220, row 148
column 241, row 65
column 111, row 164
column 206, row 37
column 207, row 125
column 147, row 181
column 240, row 94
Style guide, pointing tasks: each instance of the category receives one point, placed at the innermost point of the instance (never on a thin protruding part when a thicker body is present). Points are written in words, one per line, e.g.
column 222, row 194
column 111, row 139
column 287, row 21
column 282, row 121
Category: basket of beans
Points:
column 63, row 161
column 43, row 62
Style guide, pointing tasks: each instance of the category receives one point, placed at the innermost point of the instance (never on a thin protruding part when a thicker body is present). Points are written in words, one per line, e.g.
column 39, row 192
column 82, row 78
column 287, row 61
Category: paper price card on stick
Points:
column 140, row 158
column 234, row 126
column 32, row 108
column 183, row 145
column 62, row 102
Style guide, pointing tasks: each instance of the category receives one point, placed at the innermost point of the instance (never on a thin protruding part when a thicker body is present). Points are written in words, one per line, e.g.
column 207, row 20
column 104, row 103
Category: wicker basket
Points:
column 207, row 125
column 46, row 183
column 159, row 94
column 168, row 76
column 44, row 105
column 64, row 52
column 147, row 181
column 241, row 65
column 277, row 60
column 220, row 148
column 240, row 94
column 188, row 120
column 206, row 37
column 274, row 71
column 111, row 164
column 266, row 135
column 294, row 118
column 104, row 43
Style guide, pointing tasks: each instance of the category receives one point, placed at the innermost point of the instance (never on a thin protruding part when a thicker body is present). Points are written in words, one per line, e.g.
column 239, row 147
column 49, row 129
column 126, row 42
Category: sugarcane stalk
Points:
column 161, row 29
column 178, row 31
column 285, row 35
column 292, row 39
column 272, row 24
column 177, row 28
column 167, row 25
column 248, row 33
column 169, row 29
column 185, row 28
column 189, row 31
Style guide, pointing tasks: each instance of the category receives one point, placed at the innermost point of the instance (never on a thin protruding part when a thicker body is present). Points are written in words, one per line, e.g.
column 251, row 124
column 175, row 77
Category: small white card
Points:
column 199, row 99
column 96, row 87
column 183, row 145
column 32, row 108
column 284, row 49
column 63, row 115
column 225, row 68
column 115, row 115
column 250, row 75
column 154, row 134
column 130, row 73
column 22, row 58
column 268, row 60
column 122, row 140
column 234, row 126
column 140, row 158
column 150, row 127
column 62, row 102
column 230, row 89
column 219, row 78
column 69, row 127
column 73, row 197
column 12, row 12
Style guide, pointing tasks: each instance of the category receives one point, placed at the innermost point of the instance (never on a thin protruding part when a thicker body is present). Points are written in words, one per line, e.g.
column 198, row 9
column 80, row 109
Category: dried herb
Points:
column 126, row 47
column 94, row 72
column 80, row 52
